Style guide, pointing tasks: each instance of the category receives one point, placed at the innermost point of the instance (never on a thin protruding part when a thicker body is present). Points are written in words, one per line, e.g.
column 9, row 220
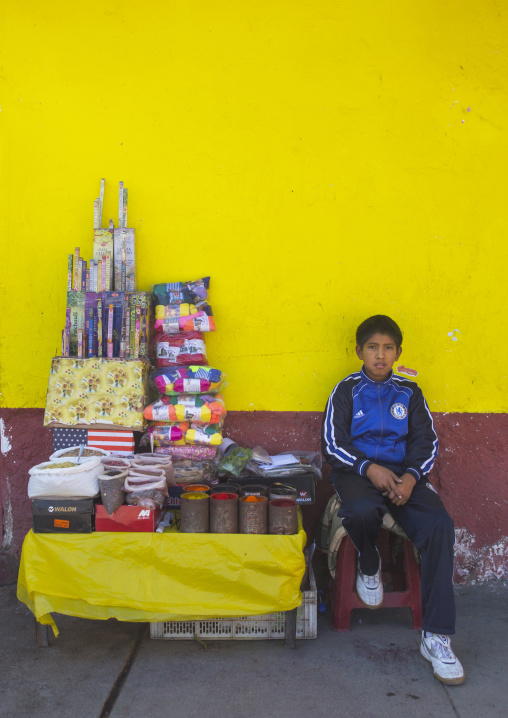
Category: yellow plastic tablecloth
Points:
column 160, row 577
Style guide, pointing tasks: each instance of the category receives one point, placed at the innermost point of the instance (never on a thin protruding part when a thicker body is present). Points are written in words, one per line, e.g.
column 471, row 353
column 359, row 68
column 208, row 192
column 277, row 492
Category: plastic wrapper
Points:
column 182, row 292
column 144, row 461
column 198, row 409
column 188, row 471
column 164, row 434
column 116, row 462
column 234, row 462
column 79, row 480
column 309, row 462
column 155, row 473
column 198, row 322
column 73, row 452
column 168, row 312
column 112, row 494
column 187, row 380
column 139, row 577
column 148, row 499
column 194, row 453
column 108, row 472
column 206, row 434
column 178, row 349
column 147, row 490
column 150, row 480
column 178, row 435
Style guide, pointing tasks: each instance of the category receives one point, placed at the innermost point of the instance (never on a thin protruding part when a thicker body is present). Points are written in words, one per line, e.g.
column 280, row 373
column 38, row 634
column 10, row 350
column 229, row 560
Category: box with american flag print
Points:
column 118, row 442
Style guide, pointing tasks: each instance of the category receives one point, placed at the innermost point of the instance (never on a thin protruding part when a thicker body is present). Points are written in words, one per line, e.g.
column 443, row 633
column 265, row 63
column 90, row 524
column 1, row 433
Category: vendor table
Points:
column 156, row 577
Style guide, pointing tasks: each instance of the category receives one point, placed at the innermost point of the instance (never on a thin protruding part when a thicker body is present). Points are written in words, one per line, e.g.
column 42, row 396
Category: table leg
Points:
column 290, row 629
column 41, row 635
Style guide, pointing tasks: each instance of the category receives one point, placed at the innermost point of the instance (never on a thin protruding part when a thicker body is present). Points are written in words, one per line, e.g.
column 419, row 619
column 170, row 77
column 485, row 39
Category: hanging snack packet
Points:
column 183, row 348
column 187, row 380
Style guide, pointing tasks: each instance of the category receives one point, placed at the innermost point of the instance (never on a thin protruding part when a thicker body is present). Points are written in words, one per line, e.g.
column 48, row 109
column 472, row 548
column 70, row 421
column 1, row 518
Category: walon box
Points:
column 63, row 516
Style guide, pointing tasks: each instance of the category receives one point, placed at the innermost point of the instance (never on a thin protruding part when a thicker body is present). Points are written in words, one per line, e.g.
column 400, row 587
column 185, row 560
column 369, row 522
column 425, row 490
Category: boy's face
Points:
column 378, row 354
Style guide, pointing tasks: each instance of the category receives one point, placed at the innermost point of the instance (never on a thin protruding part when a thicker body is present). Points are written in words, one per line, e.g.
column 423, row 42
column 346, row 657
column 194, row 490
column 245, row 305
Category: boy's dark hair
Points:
column 381, row 324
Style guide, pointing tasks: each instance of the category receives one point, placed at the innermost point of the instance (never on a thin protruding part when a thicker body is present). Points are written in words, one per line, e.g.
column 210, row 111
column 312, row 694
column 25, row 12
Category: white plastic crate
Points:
column 269, row 626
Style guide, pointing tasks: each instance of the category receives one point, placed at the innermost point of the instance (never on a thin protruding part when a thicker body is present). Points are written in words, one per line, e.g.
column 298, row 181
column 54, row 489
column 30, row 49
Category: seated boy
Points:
column 379, row 439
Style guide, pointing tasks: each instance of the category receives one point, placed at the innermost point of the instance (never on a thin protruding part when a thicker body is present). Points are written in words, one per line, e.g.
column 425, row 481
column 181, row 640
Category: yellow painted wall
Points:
column 322, row 160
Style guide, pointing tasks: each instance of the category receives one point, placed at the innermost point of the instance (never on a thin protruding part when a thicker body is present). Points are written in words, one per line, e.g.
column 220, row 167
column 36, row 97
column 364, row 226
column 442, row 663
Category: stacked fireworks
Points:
column 186, row 420
column 105, row 316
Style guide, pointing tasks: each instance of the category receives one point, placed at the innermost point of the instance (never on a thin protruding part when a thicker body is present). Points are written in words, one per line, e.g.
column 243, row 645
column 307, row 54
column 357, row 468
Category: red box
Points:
column 126, row 518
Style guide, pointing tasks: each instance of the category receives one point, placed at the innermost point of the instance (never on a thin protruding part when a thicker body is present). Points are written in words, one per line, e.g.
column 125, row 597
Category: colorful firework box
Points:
column 103, row 246
column 125, row 259
column 129, row 309
column 97, row 393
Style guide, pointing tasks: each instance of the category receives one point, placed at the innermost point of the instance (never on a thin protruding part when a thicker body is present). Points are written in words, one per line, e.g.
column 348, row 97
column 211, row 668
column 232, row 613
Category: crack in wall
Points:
column 7, row 518
column 474, row 565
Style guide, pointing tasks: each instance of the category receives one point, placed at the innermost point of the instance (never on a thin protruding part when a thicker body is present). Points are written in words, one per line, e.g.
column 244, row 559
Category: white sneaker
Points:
column 369, row 588
column 447, row 667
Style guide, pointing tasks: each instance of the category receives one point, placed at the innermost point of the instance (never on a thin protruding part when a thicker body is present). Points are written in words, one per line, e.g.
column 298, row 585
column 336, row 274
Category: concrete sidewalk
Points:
column 96, row 668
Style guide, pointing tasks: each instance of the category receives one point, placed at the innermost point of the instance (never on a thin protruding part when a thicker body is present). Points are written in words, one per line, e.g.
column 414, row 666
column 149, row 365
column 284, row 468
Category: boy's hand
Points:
column 406, row 486
column 386, row 482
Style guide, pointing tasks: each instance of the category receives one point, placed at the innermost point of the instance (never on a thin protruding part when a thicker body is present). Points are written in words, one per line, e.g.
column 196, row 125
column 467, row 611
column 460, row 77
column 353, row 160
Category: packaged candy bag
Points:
column 175, row 435
column 205, row 409
column 201, row 321
column 188, row 453
column 187, row 380
column 208, row 435
column 170, row 311
column 182, row 348
column 182, row 292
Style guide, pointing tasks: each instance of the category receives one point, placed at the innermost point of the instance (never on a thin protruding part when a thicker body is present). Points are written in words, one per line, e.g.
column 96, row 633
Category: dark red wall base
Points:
column 468, row 475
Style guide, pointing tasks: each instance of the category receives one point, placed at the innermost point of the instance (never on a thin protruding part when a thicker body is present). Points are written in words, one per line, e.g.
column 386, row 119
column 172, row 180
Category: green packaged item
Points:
column 235, row 461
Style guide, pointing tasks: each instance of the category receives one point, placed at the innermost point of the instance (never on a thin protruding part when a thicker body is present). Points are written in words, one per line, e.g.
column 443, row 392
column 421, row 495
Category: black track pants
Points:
column 427, row 525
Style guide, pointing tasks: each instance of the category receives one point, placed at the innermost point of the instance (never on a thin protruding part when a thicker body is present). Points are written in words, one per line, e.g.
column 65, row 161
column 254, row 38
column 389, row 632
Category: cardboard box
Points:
column 305, row 485
column 127, row 518
column 97, row 393
column 63, row 516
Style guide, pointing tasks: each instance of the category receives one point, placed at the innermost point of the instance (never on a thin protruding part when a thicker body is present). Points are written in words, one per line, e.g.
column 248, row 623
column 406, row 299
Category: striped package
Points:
column 119, row 442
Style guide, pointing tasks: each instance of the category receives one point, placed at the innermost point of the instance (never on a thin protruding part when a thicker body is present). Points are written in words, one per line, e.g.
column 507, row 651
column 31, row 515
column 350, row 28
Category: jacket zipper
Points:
column 381, row 417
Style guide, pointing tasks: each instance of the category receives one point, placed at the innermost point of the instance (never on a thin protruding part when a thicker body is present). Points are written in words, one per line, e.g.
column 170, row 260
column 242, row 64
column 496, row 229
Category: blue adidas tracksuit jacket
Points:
column 387, row 423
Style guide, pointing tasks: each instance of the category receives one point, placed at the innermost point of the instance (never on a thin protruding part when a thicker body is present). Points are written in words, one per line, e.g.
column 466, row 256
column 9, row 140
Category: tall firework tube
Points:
column 76, row 267
column 137, row 331
column 123, row 283
column 126, row 327
column 110, row 331
column 99, row 328
column 108, row 272
column 120, row 205
column 67, row 330
column 69, row 272
column 90, row 333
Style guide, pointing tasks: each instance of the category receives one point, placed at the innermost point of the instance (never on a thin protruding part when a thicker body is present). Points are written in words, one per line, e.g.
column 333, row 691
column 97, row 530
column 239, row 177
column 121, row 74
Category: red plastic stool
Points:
column 344, row 597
